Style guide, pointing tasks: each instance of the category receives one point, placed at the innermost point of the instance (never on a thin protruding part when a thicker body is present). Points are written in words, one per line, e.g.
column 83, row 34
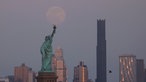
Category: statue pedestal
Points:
column 46, row 77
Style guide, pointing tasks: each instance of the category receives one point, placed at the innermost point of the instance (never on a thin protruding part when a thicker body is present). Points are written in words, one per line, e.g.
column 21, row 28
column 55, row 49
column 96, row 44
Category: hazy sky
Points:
column 23, row 26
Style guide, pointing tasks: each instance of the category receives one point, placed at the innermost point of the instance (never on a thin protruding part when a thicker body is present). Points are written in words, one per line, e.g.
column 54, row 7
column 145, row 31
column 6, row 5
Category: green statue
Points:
column 47, row 52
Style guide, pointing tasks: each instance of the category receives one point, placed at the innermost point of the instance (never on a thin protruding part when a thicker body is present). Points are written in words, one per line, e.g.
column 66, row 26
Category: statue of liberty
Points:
column 47, row 52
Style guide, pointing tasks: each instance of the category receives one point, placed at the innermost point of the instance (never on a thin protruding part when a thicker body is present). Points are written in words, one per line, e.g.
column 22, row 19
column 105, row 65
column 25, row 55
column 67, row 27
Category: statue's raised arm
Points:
column 54, row 30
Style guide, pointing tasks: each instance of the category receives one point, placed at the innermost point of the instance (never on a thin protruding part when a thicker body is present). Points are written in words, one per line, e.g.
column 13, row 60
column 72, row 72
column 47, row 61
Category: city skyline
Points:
column 23, row 26
column 131, row 69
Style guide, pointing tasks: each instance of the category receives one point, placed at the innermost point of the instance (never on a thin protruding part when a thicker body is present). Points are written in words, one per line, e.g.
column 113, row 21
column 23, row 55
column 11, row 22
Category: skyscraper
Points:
column 80, row 73
column 59, row 66
column 23, row 74
column 145, row 75
column 101, row 52
column 127, row 67
column 140, row 70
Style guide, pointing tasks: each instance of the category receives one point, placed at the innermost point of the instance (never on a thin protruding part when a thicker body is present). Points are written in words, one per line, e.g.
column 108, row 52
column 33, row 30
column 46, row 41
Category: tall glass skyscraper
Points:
column 127, row 67
column 101, row 52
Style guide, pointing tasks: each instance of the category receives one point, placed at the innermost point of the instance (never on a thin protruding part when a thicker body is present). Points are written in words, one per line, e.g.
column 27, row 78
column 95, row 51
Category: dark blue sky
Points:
column 23, row 26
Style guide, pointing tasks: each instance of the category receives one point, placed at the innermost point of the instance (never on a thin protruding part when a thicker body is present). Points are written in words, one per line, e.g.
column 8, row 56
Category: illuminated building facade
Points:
column 23, row 74
column 127, row 67
column 80, row 73
column 58, row 65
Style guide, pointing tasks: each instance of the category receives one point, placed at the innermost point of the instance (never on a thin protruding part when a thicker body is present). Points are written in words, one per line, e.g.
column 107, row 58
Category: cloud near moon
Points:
column 55, row 15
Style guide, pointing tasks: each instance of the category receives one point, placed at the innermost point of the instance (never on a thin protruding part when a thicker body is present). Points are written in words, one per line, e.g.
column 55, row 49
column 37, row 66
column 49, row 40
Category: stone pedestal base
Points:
column 46, row 77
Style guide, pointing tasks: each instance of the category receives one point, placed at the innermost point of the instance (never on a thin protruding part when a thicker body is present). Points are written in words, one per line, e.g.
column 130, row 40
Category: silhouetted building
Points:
column 23, row 74
column 90, row 80
column 80, row 73
column 140, row 70
column 101, row 52
column 127, row 68
column 144, row 75
column 59, row 66
column 11, row 78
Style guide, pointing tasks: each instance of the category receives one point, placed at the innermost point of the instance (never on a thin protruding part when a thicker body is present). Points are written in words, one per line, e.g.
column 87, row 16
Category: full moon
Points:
column 55, row 15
